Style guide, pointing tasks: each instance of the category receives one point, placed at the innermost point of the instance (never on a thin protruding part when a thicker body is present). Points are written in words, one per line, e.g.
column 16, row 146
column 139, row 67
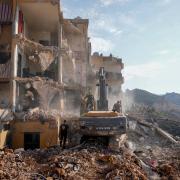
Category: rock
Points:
column 18, row 151
column 148, row 147
column 61, row 172
column 10, row 151
column 49, row 178
column 76, row 168
column 1, row 153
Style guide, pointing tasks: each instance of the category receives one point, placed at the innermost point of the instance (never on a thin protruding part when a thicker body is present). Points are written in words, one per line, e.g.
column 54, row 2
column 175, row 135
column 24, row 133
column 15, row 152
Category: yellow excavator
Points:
column 102, row 124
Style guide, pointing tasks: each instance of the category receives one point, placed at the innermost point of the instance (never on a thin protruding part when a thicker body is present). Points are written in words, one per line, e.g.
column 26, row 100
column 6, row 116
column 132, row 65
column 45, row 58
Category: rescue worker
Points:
column 90, row 102
column 63, row 134
column 117, row 107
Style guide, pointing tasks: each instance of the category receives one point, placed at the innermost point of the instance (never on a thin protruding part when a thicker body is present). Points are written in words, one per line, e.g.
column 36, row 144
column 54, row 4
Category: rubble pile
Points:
column 37, row 54
column 83, row 163
column 12, row 165
column 49, row 82
column 87, row 162
column 154, row 149
column 168, row 162
column 40, row 114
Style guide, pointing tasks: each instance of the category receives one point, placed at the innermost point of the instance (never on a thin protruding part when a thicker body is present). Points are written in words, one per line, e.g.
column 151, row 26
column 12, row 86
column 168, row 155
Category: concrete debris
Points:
column 6, row 114
column 84, row 163
column 37, row 54
column 49, row 82
column 156, row 150
column 46, row 93
column 38, row 114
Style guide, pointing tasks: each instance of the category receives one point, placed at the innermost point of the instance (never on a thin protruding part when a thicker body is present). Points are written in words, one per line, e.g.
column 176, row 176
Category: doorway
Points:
column 31, row 141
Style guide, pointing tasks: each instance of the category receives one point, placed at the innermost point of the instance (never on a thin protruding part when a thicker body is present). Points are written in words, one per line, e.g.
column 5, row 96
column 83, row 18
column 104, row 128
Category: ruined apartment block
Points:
column 46, row 68
column 113, row 67
column 75, row 61
column 6, row 14
column 29, row 65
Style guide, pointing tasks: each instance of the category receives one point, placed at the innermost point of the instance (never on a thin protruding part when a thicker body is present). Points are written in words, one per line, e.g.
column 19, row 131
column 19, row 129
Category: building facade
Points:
column 46, row 68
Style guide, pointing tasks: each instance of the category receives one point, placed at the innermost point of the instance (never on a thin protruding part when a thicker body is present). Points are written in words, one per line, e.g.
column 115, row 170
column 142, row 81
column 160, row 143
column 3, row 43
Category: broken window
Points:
column 4, row 57
column 44, row 42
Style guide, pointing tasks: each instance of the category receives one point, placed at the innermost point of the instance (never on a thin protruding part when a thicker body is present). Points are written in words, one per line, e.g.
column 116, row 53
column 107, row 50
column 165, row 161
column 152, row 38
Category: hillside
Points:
column 142, row 97
column 169, row 101
column 163, row 109
column 173, row 98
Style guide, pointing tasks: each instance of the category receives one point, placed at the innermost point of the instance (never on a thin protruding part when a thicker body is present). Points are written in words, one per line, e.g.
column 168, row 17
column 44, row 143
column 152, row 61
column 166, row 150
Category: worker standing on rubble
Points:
column 63, row 134
column 117, row 107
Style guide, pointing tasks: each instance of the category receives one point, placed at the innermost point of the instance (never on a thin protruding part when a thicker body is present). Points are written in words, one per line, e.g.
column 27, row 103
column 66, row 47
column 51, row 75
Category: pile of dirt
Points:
column 83, row 163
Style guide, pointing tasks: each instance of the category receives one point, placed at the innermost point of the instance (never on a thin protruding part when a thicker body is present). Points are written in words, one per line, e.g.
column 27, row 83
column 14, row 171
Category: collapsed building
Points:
column 46, row 68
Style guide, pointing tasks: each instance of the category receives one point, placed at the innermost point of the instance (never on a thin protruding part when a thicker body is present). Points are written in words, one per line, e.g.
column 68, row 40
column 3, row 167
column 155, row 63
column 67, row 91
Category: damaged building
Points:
column 46, row 68
column 75, row 61
column 6, row 14
column 29, row 59
column 35, row 61
column 113, row 67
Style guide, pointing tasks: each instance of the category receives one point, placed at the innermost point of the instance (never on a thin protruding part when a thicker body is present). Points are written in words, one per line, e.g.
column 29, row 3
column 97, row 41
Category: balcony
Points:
column 112, row 76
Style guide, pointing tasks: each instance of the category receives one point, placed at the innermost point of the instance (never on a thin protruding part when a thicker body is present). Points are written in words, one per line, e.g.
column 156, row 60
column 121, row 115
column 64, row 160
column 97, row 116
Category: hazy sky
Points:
column 144, row 33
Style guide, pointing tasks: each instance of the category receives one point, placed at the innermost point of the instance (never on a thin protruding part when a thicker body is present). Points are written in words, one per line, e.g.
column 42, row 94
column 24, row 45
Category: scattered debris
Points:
column 53, row 163
column 81, row 162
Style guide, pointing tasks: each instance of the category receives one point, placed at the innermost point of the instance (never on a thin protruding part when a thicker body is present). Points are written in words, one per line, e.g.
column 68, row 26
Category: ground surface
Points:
column 86, row 162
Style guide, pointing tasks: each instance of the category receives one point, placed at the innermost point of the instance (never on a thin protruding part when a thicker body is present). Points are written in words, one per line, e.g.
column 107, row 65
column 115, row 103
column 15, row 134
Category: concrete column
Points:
column 60, row 66
column 14, row 67
column 14, row 58
column 15, row 24
column 14, row 95
column 60, row 63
